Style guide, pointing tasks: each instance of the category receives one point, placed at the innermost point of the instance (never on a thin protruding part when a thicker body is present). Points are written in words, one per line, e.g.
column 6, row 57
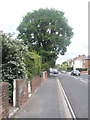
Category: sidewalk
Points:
column 46, row 102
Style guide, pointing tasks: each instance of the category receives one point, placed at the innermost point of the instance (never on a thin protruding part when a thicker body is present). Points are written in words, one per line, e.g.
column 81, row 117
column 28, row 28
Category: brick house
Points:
column 79, row 62
column 70, row 63
column 87, row 63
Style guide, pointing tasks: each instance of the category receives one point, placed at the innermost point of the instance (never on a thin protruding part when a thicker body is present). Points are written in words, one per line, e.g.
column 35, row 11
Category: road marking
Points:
column 74, row 77
column 64, row 106
column 83, row 81
column 67, row 101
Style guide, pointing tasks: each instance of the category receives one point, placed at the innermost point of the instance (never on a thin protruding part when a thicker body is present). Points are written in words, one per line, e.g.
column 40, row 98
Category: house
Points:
column 1, row 32
column 87, row 64
column 79, row 62
column 70, row 62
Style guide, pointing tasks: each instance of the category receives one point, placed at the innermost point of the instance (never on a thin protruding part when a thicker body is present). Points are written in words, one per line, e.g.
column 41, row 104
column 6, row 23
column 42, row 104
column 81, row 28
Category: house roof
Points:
column 80, row 57
column 88, row 57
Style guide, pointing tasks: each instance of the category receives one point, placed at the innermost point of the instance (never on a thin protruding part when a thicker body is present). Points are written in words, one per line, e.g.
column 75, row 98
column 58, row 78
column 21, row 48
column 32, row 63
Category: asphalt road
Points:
column 76, row 89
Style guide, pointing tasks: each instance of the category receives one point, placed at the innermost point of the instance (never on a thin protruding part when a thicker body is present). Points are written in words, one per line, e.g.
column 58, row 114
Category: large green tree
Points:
column 47, row 32
column 64, row 66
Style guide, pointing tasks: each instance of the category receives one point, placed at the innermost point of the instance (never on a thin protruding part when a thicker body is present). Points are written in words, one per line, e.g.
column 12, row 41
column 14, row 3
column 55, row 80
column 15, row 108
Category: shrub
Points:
column 33, row 63
column 69, row 69
column 17, row 62
column 45, row 67
column 81, row 69
column 13, row 66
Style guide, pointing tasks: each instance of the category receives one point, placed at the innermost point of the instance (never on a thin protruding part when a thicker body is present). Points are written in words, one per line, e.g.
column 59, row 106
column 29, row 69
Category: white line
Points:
column 63, row 103
column 67, row 101
column 83, row 81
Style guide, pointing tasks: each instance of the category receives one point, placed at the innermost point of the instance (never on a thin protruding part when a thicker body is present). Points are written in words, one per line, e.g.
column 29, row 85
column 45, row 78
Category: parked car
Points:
column 55, row 71
column 51, row 72
column 63, row 71
column 75, row 72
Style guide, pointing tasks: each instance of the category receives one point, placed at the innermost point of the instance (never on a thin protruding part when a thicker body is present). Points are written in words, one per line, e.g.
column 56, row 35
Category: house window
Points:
column 83, row 62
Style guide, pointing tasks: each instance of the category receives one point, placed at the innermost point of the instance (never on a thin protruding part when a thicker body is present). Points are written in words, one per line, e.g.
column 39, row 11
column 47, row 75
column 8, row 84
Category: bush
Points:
column 33, row 63
column 69, row 69
column 17, row 62
column 45, row 67
column 13, row 66
column 81, row 69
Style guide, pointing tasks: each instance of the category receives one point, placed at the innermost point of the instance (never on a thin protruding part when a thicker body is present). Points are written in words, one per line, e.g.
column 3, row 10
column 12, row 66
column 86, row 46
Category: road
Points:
column 76, row 89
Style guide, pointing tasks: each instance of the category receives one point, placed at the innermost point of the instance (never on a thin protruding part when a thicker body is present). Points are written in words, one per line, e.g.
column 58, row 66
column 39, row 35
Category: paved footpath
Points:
column 46, row 102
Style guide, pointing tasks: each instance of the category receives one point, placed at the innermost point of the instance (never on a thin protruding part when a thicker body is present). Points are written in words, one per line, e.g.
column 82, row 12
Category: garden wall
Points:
column 37, row 80
column 20, row 93
column 4, row 100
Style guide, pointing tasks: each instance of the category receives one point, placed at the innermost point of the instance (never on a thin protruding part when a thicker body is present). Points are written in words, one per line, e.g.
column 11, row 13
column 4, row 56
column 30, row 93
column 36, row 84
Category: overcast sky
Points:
column 76, row 11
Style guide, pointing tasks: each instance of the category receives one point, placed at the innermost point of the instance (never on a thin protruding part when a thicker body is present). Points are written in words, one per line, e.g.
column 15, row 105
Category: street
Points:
column 49, row 102
column 76, row 89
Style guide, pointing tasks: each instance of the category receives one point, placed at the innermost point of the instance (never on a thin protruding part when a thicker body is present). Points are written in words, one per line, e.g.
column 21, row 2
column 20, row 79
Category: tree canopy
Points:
column 47, row 32
column 64, row 66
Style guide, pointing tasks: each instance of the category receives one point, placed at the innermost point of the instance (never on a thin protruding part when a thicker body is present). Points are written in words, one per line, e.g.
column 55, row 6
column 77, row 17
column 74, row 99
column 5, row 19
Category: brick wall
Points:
column 4, row 100
column 36, row 81
column 22, row 88
column 87, row 65
column 42, row 78
column 45, row 75
column 21, row 92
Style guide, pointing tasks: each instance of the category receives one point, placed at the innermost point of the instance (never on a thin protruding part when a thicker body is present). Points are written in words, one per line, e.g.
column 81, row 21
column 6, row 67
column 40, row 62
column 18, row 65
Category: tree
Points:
column 47, row 32
column 64, row 66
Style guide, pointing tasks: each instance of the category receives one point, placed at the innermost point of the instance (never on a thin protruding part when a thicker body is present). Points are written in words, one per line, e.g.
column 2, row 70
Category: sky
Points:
column 76, row 11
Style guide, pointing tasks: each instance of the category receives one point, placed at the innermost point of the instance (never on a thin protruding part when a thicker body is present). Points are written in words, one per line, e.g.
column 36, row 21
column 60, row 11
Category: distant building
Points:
column 87, row 64
column 1, row 32
column 79, row 62
column 82, row 61
column 70, row 63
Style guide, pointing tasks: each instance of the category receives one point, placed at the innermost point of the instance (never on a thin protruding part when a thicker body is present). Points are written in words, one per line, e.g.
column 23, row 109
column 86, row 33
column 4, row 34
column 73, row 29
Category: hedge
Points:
column 81, row 69
column 33, row 64
column 17, row 62
column 13, row 65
